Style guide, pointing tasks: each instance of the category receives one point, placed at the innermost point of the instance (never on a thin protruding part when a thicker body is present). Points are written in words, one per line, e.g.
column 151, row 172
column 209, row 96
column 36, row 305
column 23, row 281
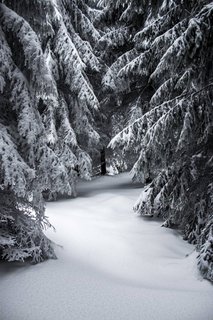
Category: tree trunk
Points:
column 103, row 161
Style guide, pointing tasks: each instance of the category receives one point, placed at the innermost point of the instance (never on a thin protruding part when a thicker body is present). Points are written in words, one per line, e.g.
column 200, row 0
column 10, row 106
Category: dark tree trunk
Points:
column 103, row 161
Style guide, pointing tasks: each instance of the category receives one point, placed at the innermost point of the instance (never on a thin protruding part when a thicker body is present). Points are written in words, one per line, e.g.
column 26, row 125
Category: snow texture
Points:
column 113, row 265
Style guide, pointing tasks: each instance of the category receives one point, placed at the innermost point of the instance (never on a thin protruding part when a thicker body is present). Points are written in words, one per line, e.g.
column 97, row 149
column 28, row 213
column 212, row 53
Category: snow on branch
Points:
column 134, row 133
column 115, row 38
column 94, row 14
column 185, row 46
column 137, row 67
column 86, row 53
column 34, row 58
column 110, row 77
column 73, row 67
column 14, row 170
column 144, row 38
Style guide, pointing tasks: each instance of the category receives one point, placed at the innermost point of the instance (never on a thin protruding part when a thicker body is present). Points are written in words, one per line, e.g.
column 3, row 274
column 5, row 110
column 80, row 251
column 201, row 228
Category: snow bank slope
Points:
column 113, row 265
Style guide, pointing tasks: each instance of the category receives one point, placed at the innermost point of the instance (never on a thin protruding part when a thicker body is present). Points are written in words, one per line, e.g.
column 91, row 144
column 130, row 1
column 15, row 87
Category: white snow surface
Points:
column 113, row 265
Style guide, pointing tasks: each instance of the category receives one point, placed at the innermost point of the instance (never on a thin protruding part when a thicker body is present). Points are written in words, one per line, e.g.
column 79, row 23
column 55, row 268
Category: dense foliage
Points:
column 75, row 73
column 47, row 115
column 172, row 61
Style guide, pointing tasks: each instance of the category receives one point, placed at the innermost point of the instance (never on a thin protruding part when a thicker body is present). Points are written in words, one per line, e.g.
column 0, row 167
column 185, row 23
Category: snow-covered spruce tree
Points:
column 22, row 208
column 117, row 34
column 70, row 59
column 173, row 137
column 120, row 21
column 47, row 110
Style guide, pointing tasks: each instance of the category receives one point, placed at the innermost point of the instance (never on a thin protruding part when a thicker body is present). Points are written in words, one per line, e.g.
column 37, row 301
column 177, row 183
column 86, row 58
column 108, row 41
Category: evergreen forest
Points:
column 129, row 81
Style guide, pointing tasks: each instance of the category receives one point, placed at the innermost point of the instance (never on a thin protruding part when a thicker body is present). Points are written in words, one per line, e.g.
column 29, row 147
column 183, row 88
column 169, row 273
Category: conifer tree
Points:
column 47, row 115
column 172, row 61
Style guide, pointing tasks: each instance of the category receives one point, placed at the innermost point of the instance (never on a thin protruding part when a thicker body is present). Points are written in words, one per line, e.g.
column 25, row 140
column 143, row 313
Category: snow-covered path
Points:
column 113, row 265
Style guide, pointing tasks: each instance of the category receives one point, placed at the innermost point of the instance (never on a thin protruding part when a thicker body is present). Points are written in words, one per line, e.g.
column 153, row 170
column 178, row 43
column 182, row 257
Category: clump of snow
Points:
column 113, row 265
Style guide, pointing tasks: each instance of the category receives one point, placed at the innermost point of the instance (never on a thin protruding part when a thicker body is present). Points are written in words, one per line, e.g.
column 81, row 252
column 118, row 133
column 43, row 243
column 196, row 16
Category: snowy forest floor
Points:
column 113, row 265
